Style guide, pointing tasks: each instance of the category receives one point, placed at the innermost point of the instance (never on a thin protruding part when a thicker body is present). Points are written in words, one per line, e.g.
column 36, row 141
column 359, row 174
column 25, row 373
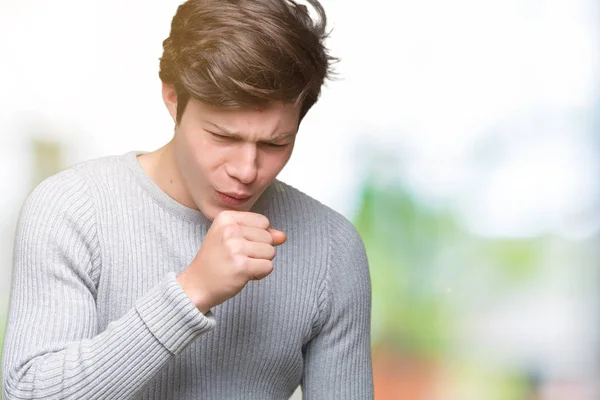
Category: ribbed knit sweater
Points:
column 96, row 311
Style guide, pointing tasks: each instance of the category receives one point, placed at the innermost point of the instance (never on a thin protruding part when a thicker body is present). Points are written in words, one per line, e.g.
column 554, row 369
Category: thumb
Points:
column 278, row 237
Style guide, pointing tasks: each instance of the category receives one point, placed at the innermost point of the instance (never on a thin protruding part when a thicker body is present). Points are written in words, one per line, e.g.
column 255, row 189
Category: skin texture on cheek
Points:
column 191, row 161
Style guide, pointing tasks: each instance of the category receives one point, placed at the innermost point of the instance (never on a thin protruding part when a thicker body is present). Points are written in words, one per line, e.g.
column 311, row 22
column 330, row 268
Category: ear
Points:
column 170, row 98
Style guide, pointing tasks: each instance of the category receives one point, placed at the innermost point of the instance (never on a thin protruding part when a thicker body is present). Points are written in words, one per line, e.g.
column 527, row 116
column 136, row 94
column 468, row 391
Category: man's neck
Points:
column 161, row 167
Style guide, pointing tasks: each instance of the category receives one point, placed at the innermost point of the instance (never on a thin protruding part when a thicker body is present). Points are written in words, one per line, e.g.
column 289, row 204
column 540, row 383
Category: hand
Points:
column 238, row 247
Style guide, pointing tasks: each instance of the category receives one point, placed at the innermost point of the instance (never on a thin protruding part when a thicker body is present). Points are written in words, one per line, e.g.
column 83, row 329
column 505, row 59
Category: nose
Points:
column 243, row 166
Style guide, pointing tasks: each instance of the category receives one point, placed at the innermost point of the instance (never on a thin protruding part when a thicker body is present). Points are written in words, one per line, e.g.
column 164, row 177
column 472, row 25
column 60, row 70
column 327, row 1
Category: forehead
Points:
column 260, row 122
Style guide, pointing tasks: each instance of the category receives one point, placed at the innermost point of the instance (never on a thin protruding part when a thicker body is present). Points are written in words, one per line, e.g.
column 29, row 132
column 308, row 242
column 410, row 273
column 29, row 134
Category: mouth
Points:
column 234, row 199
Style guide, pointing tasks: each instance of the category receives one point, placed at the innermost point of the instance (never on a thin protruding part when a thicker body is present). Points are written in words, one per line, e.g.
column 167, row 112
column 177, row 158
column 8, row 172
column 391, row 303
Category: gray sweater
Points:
column 96, row 311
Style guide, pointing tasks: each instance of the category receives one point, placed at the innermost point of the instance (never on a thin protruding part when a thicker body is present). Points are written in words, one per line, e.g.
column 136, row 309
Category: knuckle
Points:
column 220, row 217
column 231, row 231
column 224, row 217
column 263, row 221
column 235, row 246
column 240, row 262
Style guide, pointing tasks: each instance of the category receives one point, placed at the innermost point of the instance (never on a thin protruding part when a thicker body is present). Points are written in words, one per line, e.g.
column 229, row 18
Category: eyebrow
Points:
column 237, row 135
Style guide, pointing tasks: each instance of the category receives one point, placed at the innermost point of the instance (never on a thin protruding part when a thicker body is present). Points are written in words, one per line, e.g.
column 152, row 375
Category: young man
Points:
column 155, row 276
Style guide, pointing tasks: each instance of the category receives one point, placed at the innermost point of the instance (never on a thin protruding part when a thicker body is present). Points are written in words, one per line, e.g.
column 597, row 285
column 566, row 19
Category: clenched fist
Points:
column 238, row 247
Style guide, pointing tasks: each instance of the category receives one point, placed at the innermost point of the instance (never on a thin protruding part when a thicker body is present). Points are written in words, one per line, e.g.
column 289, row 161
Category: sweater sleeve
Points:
column 337, row 360
column 52, row 348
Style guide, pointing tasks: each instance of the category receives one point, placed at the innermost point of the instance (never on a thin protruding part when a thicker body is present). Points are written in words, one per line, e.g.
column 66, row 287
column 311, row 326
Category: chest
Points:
column 136, row 255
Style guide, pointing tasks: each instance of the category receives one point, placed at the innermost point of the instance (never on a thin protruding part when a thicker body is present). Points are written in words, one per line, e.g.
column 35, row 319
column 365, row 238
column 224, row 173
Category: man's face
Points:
column 227, row 158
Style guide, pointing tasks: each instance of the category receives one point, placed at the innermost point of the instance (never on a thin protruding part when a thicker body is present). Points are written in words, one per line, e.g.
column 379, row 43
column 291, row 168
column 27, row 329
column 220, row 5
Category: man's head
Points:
column 238, row 77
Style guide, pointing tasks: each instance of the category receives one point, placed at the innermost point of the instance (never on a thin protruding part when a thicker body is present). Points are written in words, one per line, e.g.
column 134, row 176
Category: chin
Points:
column 211, row 211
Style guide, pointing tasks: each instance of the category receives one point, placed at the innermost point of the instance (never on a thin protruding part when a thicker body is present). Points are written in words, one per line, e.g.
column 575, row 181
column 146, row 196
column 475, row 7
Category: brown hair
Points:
column 246, row 53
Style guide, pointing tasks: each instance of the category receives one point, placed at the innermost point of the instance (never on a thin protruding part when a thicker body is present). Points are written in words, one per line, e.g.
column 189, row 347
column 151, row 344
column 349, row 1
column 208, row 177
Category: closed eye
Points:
column 276, row 145
column 220, row 137
column 230, row 138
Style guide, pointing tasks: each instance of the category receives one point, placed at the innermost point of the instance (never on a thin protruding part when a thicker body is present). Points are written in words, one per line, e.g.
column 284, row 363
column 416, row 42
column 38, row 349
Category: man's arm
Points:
column 337, row 361
column 53, row 349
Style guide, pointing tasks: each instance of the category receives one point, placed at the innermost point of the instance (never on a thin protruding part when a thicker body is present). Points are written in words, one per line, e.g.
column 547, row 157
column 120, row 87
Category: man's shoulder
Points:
column 77, row 180
column 104, row 166
column 84, row 169
column 296, row 201
column 306, row 208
